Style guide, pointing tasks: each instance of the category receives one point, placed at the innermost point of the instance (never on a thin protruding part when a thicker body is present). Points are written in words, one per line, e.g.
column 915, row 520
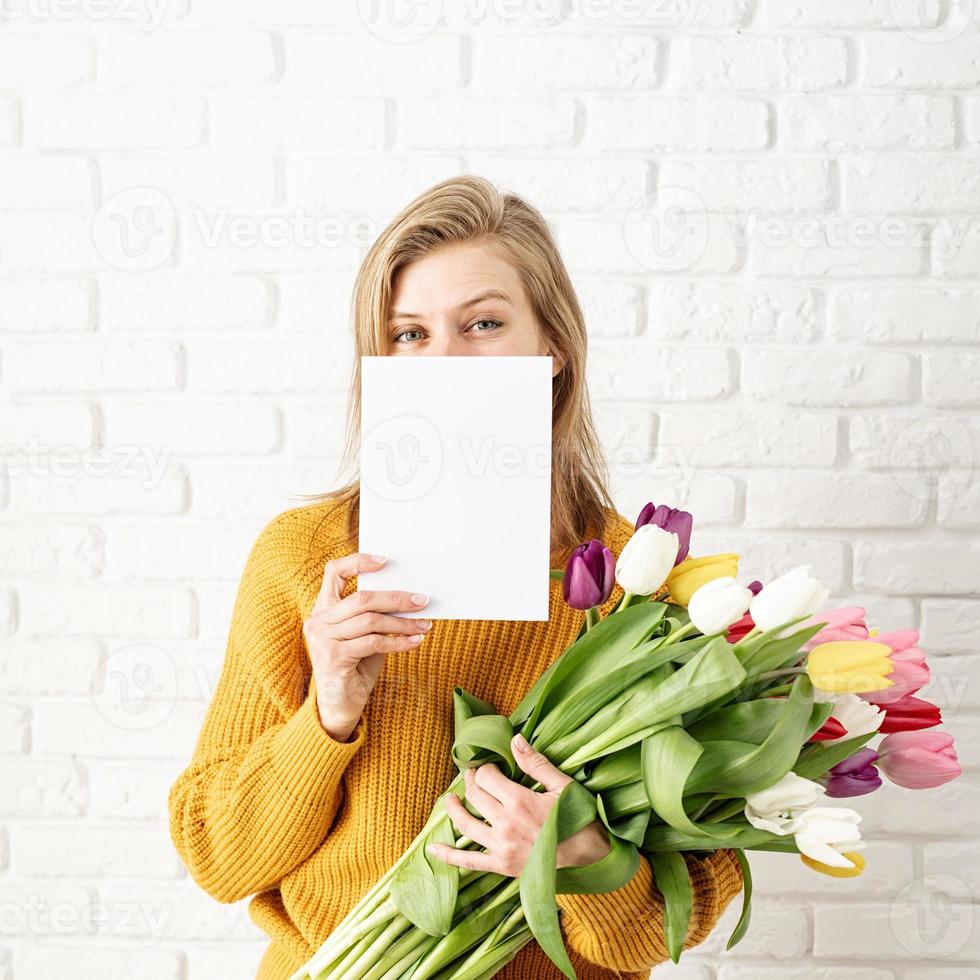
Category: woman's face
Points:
column 460, row 300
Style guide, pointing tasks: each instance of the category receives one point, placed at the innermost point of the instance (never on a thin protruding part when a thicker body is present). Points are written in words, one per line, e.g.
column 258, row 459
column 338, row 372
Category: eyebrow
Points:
column 488, row 294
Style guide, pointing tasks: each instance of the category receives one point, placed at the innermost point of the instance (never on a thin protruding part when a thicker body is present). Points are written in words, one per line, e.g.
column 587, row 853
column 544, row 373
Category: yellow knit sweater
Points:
column 272, row 806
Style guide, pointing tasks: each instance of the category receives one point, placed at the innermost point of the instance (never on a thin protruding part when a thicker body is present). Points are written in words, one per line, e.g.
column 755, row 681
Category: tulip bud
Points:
column 788, row 597
column 718, row 604
column 919, row 760
column 855, row 776
column 588, row 579
column 909, row 714
column 841, row 624
column 678, row 522
column 849, row 666
column 823, row 832
column 646, row 560
column 692, row 573
column 910, row 672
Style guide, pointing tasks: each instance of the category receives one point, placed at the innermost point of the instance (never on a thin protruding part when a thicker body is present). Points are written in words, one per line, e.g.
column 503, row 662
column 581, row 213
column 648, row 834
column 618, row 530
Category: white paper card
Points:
column 456, row 482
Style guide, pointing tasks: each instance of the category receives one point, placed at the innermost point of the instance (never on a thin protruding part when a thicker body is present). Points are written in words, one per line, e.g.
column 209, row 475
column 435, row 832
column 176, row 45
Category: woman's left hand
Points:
column 513, row 816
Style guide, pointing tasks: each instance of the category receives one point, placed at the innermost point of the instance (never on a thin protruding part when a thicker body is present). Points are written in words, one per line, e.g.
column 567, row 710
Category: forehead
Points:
column 451, row 275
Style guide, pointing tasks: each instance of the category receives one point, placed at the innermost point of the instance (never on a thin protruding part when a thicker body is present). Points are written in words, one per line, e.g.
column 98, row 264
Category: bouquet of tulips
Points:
column 698, row 714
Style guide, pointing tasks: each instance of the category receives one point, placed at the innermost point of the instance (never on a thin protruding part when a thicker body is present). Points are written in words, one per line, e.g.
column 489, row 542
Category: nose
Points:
column 448, row 343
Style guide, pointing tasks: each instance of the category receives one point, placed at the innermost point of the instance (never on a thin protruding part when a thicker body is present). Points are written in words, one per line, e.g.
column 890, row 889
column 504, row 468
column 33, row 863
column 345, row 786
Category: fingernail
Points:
column 423, row 624
column 417, row 638
column 379, row 558
column 419, row 599
column 432, row 849
column 520, row 743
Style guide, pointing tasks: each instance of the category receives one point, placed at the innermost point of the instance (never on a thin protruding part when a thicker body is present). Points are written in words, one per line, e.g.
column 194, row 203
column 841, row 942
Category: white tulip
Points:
column 774, row 809
column 858, row 716
column 822, row 832
column 718, row 604
column 788, row 597
column 646, row 560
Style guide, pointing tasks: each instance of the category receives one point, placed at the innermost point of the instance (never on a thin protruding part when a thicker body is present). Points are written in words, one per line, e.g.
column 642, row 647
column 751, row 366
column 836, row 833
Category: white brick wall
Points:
column 173, row 365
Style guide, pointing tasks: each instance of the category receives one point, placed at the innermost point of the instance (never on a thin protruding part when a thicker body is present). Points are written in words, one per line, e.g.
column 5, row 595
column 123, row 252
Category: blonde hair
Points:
column 471, row 209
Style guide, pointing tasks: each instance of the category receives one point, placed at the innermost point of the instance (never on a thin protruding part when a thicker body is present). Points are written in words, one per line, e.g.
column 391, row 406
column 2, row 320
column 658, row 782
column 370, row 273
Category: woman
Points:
column 328, row 738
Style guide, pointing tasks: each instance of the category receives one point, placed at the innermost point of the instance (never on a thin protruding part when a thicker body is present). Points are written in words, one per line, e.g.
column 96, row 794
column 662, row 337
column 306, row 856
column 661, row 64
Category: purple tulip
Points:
column 754, row 587
column 678, row 522
column 589, row 575
column 854, row 776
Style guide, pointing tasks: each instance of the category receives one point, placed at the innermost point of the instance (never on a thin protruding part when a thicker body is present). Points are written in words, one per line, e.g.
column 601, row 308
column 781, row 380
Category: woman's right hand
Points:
column 349, row 638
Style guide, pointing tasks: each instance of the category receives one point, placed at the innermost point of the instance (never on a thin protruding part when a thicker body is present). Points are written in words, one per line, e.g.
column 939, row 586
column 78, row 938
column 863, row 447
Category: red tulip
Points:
column 919, row 760
column 739, row 628
column 828, row 731
column 909, row 714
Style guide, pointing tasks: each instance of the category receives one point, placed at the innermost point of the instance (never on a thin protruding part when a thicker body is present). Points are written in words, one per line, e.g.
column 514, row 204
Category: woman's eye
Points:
column 405, row 334
column 491, row 324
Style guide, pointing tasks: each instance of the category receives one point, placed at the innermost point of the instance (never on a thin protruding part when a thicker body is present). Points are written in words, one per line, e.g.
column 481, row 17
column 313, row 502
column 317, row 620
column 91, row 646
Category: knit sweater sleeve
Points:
column 624, row 929
column 265, row 781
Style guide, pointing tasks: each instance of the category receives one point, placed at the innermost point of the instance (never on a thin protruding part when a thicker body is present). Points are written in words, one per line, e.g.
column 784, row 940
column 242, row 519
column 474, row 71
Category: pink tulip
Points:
column 918, row 760
column 910, row 673
column 842, row 624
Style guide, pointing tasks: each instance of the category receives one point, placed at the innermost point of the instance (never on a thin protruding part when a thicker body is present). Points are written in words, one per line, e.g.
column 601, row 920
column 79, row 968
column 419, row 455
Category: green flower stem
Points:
column 345, row 961
column 781, row 689
column 383, row 941
column 624, row 601
column 679, row 634
column 405, row 951
column 477, row 960
column 730, row 809
column 591, row 617
column 751, row 633
column 773, row 675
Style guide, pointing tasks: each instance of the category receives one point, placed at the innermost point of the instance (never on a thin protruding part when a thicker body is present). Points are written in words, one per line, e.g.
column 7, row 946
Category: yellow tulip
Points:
column 850, row 666
column 692, row 573
column 858, row 866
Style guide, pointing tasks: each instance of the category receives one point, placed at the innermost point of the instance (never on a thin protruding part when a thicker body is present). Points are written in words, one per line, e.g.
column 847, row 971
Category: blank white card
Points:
column 456, row 482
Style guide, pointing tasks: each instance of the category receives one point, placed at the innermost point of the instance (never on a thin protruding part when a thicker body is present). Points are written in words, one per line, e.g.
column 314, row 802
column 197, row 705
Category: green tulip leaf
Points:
column 674, row 883
column 653, row 702
column 667, row 759
column 574, row 809
column 609, row 640
column 605, row 875
column 735, row 768
column 742, row 926
column 466, row 705
column 483, row 739
column 819, row 757
column 423, row 887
